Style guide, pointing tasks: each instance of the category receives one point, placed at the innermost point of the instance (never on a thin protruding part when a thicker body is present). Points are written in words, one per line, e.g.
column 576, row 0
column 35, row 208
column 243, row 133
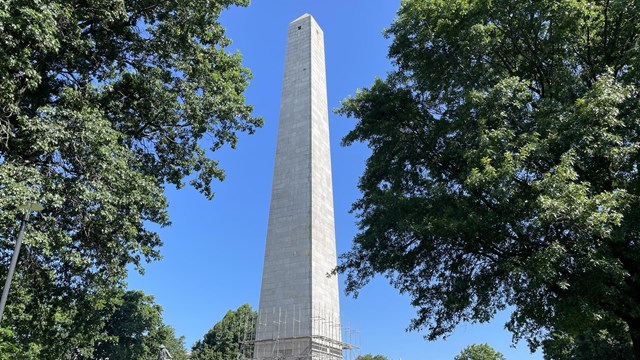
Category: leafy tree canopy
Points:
column 225, row 340
column 479, row 352
column 610, row 342
column 504, row 166
column 135, row 331
column 103, row 103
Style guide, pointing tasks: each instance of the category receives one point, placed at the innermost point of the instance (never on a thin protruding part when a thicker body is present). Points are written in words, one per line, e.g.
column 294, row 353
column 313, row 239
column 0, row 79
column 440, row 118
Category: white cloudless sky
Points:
column 213, row 252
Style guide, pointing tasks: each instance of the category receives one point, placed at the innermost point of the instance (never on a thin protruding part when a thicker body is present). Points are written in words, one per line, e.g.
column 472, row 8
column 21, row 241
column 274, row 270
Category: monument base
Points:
column 297, row 348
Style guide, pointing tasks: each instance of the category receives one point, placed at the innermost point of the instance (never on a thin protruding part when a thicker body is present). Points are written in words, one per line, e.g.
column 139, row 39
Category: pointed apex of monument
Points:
column 305, row 15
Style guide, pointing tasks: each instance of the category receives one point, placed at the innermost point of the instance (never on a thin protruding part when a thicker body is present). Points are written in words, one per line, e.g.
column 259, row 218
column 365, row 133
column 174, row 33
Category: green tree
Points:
column 134, row 330
column 103, row 103
column 225, row 339
column 504, row 166
column 371, row 357
column 606, row 343
column 479, row 352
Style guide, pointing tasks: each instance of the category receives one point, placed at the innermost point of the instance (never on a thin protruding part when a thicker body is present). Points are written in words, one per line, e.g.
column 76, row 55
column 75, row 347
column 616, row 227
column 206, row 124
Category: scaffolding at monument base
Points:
column 286, row 339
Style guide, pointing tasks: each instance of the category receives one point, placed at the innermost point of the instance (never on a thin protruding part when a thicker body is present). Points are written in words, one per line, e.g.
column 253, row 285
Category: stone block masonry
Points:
column 299, row 315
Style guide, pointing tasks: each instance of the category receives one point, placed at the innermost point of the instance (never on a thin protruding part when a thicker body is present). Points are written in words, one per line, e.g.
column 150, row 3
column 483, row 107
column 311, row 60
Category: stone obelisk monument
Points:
column 299, row 304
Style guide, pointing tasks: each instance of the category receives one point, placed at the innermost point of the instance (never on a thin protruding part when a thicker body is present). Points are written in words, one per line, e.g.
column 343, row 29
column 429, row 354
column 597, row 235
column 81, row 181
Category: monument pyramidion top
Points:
column 302, row 17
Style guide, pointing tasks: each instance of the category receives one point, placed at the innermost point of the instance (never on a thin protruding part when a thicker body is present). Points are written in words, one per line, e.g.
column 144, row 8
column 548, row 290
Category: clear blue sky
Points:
column 213, row 251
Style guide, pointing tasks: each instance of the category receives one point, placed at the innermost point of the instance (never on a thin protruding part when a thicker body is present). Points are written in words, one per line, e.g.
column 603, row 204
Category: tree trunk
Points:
column 634, row 330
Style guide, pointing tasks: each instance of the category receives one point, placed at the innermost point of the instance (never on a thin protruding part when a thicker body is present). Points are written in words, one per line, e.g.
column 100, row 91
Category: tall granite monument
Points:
column 299, row 315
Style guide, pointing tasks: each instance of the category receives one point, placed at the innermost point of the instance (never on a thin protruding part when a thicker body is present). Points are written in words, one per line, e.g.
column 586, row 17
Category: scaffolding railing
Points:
column 285, row 334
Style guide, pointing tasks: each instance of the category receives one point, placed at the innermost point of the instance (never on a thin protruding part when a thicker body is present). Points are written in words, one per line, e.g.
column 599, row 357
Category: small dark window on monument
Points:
column 299, row 27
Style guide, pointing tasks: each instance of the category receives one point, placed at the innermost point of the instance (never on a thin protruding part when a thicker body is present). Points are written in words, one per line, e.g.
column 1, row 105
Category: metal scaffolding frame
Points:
column 282, row 330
